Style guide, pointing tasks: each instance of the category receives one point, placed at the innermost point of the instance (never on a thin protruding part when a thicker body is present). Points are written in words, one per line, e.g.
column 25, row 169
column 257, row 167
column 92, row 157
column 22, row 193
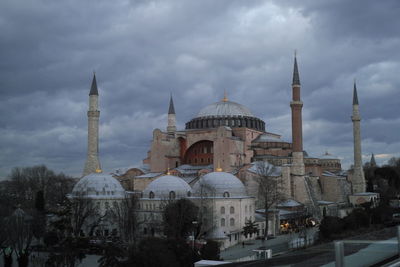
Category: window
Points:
column 226, row 194
column 245, row 209
column 172, row 195
column 232, row 210
column 222, row 210
column 232, row 222
column 189, row 194
column 222, row 222
column 151, row 194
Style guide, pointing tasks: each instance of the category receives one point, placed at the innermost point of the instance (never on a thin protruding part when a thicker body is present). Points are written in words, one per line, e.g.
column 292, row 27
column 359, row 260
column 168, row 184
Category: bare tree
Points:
column 126, row 215
column 20, row 235
column 24, row 183
column 83, row 211
column 269, row 190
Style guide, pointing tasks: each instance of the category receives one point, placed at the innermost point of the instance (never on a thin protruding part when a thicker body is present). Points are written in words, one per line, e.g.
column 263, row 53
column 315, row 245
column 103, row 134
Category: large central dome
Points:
column 224, row 108
column 225, row 113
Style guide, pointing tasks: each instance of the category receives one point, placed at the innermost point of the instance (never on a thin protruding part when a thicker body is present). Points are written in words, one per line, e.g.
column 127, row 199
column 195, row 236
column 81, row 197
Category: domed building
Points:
column 155, row 197
column 224, row 206
column 97, row 194
column 220, row 133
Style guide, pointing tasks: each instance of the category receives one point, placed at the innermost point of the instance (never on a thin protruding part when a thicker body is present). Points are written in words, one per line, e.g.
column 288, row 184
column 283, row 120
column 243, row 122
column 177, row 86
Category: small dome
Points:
column 223, row 109
column 98, row 186
column 167, row 186
column 219, row 184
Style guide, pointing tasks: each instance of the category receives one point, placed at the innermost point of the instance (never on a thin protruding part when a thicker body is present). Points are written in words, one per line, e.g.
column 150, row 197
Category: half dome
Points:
column 167, row 186
column 98, row 186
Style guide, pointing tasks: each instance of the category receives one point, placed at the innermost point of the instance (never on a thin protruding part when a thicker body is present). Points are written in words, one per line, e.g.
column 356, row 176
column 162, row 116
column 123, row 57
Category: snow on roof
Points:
column 323, row 202
column 122, row 170
column 276, row 170
column 209, row 263
column 149, row 175
column 192, row 167
column 329, row 174
column 289, row 203
column 366, row 194
column 267, row 138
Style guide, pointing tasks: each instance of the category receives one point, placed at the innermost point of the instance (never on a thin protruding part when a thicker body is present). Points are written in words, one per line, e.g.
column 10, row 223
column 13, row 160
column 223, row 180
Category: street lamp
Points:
column 194, row 223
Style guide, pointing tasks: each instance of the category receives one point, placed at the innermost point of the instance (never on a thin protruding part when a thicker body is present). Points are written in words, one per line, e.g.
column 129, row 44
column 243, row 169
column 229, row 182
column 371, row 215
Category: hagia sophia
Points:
column 227, row 149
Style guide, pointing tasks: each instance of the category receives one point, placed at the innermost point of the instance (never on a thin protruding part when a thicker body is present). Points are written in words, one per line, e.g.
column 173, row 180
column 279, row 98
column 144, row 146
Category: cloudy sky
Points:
column 144, row 50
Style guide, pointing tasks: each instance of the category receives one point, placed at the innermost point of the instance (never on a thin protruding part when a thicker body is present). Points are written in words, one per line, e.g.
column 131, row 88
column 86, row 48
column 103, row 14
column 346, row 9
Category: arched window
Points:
column 226, row 194
column 151, row 194
column 222, row 210
column 189, row 194
column 232, row 222
column 172, row 195
column 232, row 210
column 222, row 222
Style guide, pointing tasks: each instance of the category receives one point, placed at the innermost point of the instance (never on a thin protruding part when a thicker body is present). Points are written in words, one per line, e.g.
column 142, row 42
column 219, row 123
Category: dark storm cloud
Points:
column 144, row 50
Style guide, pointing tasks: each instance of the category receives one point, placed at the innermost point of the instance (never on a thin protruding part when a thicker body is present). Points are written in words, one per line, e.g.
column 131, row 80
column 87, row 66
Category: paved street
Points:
column 278, row 245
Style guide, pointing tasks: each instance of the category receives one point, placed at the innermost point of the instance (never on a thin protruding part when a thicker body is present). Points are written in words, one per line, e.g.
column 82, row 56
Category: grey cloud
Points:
column 143, row 50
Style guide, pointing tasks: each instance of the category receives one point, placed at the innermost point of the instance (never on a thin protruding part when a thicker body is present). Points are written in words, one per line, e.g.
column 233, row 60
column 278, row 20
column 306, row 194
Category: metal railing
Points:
column 380, row 248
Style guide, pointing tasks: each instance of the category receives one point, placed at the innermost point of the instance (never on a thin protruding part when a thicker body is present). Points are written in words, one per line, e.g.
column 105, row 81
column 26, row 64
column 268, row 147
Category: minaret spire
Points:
column 372, row 163
column 93, row 88
column 171, row 109
column 171, row 116
column 92, row 162
column 355, row 97
column 358, row 179
column 296, row 76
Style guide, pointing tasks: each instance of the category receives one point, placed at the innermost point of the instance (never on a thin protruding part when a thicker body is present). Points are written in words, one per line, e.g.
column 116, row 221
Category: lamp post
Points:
column 194, row 223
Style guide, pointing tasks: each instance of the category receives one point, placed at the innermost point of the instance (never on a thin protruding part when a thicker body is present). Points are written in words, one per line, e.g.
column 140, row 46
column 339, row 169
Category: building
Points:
column 228, row 135
column 224, row 206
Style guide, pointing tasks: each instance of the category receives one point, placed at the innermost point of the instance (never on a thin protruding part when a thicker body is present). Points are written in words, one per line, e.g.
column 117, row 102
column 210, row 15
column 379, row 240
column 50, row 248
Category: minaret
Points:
column 171, row 117
column 92, row 162
column 297, row 170
column 297, row 129
column 358, row 179
column 372, row 163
